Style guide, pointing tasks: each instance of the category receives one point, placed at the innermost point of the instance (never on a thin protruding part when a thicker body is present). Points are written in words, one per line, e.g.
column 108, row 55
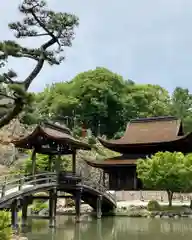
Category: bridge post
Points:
column 50, row 163
column 52, row 207
column 104, row 178
column 78, row 204
column 24, row 211
column 99, row 205
column 74, row 162
column 14, row 214
column 33, row 158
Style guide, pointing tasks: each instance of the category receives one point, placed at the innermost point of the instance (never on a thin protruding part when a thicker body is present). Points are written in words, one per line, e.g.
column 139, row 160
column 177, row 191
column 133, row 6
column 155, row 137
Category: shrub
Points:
column 69, row 202
column 5, row 231
column 39, row 205
column 77, row 131
column 153, row 205
column 92, row 140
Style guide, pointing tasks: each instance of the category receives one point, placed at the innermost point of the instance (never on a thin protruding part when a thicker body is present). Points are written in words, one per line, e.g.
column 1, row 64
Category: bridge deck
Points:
column 19, row 186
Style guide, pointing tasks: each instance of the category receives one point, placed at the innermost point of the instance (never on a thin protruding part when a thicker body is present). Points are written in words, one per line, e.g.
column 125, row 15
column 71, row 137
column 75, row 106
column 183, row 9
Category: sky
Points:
column 146, row 41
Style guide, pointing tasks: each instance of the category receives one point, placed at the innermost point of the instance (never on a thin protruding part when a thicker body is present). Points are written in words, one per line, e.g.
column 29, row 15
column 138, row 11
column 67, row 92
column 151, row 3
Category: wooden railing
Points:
column 100, row 188
column 11, row 184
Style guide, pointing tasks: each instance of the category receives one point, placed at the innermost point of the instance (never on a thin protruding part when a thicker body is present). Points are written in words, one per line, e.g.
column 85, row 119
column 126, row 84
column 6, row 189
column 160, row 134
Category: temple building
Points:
column 142, row 138
column 53, row 140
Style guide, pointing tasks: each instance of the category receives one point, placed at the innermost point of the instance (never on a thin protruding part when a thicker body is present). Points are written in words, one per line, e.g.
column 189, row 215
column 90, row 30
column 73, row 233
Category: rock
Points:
column 165, row 216
column 16, row 237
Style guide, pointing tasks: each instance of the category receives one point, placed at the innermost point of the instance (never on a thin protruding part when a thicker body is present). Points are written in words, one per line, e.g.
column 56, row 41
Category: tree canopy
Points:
column 37, row 22
column 104, row 102
column 166, row 171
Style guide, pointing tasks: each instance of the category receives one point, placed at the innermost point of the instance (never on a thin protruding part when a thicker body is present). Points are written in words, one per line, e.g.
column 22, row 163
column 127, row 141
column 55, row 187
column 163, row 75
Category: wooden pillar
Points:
column 78, row 204
column 50, row 163
column 24, row 211
column 58, row 164
column 52, row 206
column 99, row 205
column 74, row 161
column 33, row 158
column 135, row 181
column 104, row 178
column 14, row 214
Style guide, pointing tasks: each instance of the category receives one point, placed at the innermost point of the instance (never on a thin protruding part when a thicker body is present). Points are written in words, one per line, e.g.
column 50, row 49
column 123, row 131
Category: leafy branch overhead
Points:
column 38, row 22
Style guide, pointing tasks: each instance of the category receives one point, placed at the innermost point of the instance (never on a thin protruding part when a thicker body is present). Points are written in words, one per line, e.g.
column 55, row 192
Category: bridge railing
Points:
column 70, row 177
column 11, row 184
column 100, row 188
column 16, row 182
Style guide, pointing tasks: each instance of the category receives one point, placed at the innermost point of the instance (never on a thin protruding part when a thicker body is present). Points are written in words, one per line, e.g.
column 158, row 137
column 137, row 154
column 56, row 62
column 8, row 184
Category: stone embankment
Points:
column 140, row 209
column 137, row 209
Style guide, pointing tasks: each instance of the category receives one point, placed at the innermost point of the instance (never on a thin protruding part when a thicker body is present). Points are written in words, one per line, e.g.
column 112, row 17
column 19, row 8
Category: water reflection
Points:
column 112, row 229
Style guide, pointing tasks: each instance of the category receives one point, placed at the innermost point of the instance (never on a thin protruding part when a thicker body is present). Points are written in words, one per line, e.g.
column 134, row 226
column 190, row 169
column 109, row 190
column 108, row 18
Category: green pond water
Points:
column 111, row 228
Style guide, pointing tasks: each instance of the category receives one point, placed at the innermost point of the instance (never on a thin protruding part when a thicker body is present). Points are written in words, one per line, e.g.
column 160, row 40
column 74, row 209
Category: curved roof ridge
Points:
column 151, row 119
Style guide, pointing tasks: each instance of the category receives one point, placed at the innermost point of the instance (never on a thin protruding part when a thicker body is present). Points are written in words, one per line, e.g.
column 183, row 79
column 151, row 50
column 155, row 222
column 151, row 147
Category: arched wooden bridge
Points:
column 15, row 188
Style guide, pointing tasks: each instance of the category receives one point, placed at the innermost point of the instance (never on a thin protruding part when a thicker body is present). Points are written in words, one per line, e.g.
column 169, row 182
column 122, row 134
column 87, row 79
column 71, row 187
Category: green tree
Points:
column 146, row 101
column 163, row 171
column 93, row 98
column 103, row 101
column 181, row 107
column 5, row 230
column 42, row 164
column 38, row 22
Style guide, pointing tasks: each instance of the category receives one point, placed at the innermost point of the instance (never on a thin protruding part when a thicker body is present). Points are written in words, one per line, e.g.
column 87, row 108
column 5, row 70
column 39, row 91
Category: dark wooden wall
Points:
column 123, row 178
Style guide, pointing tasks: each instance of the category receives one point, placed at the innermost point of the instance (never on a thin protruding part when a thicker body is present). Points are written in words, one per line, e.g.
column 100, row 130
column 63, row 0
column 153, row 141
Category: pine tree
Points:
column 38, row 22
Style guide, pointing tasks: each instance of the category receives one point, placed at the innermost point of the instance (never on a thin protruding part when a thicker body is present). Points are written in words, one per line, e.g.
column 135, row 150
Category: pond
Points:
column 111, row 228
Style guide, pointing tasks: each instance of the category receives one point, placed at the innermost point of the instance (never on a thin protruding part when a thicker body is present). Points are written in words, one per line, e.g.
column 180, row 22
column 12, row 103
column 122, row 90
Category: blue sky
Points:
column 144, row 40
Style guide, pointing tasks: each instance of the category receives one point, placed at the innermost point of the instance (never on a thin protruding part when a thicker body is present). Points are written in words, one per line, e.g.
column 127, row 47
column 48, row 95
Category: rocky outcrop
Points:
column 8, row 153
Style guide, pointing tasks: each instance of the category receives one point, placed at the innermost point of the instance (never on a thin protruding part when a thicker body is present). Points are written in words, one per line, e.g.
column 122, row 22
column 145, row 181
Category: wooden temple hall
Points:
column 142, row 138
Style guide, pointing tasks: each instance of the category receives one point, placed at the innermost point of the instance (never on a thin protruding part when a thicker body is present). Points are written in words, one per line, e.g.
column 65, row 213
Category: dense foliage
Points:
column 5, row 230
column 104, row 102
column 167, row 171
column 42, row 164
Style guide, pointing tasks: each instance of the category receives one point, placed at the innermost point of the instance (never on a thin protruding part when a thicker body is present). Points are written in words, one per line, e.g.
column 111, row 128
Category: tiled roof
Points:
column 151, row 130
column 54, row 133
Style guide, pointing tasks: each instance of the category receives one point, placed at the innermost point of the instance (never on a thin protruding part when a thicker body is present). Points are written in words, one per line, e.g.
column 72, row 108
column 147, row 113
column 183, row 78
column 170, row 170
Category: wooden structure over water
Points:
column 142, row 138
column 53, row 140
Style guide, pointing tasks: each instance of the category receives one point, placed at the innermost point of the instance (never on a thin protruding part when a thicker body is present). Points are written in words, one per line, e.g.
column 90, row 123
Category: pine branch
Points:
column 13, row 113
column 7, row 96
column 37, row 22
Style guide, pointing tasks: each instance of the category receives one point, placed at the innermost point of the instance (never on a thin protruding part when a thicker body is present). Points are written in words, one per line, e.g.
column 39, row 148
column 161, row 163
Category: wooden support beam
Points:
column 99, row 205
column 33, row 158
column 104, row 178
column 14, row 214
column 24, row 211
column 78, row 204
column 58, row 164
column 74, row 161
column 50, row 163
column 135, row 181
column 52, row 207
